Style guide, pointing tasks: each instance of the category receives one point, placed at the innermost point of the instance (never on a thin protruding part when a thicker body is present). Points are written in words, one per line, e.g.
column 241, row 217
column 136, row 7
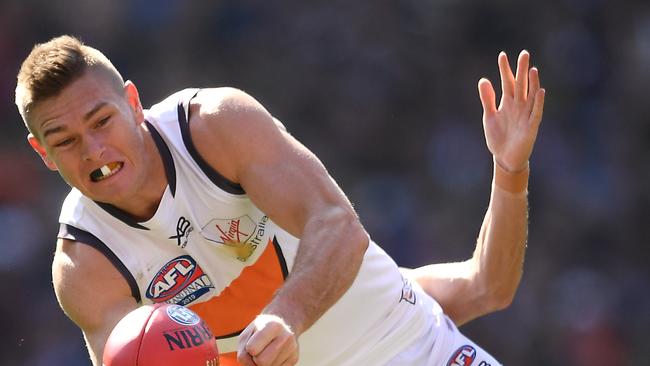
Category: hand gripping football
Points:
column 161, row 335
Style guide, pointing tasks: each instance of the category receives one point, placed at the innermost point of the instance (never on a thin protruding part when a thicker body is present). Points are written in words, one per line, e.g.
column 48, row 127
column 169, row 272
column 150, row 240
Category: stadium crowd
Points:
column 384, row 92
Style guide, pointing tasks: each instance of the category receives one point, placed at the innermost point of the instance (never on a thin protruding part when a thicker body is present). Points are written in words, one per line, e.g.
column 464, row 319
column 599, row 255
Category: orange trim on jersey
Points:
column 228, row 359
column 238, row 304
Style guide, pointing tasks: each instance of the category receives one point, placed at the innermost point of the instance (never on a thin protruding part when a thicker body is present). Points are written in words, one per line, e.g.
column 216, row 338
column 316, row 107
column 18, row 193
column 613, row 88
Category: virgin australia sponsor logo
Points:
column 240, row 236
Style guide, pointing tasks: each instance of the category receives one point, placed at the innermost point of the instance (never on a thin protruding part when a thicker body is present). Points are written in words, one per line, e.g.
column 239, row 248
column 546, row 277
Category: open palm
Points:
column 511, row 129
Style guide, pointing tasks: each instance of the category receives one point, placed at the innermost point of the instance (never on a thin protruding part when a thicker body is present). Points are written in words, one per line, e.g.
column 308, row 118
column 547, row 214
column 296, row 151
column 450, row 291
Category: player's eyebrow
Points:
column 86, row 117
column 53, row 130
column 95, row 109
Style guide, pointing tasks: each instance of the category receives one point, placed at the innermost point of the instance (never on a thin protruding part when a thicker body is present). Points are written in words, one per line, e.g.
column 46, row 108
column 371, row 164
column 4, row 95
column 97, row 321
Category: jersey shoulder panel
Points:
column 74, row 208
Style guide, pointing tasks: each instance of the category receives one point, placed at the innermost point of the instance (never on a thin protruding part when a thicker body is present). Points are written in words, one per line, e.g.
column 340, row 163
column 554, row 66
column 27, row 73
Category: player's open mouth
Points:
column 106, row 171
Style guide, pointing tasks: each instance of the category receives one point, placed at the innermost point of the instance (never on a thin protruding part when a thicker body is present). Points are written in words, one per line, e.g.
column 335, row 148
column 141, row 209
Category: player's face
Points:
column 91, row 133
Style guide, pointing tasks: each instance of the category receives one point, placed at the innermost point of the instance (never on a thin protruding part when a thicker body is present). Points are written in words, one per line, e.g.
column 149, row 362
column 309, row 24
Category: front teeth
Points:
column 105, row 171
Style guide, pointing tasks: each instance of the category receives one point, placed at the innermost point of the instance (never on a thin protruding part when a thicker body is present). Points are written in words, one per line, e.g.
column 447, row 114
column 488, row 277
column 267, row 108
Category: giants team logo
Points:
column 240, row 236
column 464, row 356
column 180, row 281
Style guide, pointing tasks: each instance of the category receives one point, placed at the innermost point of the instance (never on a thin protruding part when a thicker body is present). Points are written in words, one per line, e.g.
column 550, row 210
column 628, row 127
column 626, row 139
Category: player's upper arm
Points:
column 241, row 140
column 91, row 292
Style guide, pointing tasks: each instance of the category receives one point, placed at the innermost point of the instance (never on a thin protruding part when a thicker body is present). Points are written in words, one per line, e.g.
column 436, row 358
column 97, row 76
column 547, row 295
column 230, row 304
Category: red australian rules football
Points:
column 161, row 335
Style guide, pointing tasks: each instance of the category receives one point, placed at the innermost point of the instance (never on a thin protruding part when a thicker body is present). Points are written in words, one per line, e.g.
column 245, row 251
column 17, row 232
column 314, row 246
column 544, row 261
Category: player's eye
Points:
column 65, row 142
column 102, row 122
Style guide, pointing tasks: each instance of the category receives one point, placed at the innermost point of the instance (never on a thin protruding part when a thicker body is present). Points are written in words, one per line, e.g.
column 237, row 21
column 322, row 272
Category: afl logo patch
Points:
column 182, row 316
column 464, row 356
column 179, row 281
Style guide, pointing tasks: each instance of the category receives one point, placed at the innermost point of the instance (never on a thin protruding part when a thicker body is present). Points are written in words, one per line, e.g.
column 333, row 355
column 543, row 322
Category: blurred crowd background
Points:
column 384, row 92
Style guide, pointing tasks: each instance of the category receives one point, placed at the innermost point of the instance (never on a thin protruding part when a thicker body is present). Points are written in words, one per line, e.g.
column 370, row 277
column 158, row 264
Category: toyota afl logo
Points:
column 182, row 315
column 179, row 281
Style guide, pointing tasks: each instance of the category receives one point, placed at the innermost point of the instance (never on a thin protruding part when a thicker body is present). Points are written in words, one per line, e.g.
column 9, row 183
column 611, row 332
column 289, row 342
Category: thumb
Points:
column 242, row 353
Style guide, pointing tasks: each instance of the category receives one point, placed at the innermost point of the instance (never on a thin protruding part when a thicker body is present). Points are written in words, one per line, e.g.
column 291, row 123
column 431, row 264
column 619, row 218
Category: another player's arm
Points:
column 239, row 138
column 91, row 292
column 488, row 281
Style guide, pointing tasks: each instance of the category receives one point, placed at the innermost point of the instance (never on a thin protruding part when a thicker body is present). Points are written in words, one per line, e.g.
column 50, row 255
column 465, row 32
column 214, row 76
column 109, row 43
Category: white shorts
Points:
column 442, row 344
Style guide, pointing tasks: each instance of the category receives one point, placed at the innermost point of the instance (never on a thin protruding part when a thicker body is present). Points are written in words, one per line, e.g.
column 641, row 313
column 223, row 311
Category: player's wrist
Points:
column 291, row 319
column 511, row 181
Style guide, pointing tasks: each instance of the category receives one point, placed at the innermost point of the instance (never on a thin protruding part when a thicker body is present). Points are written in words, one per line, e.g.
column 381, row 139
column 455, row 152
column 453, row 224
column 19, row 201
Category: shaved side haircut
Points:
column 52, row 66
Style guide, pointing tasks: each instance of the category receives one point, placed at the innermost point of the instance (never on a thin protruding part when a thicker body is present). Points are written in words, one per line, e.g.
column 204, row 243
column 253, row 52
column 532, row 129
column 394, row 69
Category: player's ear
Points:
column 133, row 98
column 40, row 150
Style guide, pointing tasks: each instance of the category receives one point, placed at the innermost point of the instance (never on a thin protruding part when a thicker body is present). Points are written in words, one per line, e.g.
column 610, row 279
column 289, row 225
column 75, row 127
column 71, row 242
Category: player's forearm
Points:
column 328, row 259
column 499, row 255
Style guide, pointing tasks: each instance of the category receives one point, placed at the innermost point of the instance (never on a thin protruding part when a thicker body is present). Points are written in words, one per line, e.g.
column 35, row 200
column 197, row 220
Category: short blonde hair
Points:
column 53, row 65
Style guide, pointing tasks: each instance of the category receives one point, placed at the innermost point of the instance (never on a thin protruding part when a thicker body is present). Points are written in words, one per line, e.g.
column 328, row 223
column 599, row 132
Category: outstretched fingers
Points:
column 488, row 98
column 507, row 78
column 521, row 80
column 533, row 77
column 538, row 108
column 533, row 87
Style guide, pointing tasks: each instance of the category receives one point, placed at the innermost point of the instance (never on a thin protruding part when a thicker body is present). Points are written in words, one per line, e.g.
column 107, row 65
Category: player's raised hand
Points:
column 511, row 129
column 267, row 341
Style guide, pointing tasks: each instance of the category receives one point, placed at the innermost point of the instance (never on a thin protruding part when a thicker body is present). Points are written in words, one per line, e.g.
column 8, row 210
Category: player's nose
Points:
column 93, row 148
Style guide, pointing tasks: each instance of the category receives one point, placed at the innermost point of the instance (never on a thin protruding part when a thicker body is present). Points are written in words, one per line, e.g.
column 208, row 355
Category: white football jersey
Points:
column 209, row 248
